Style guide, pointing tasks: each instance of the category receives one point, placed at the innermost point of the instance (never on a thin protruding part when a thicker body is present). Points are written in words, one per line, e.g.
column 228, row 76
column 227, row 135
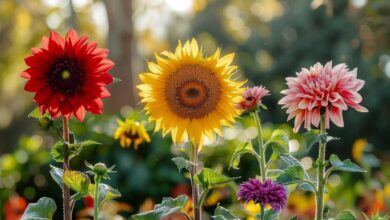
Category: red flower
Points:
column 68, row 75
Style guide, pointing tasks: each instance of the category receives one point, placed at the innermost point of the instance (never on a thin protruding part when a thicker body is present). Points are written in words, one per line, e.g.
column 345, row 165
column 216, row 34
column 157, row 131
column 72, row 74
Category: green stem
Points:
column 66, row 193
column 262, row 212
column 96, row 198
column 194, row 185
column 260, row 144
column 321, row 173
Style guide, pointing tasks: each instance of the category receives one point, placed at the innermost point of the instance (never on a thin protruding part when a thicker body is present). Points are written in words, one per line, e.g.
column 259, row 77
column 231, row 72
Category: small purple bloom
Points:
column 264, row 193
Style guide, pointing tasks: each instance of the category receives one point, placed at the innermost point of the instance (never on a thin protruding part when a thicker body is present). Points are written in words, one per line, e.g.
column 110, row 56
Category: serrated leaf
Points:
column 279, row 141
column 345, row 215
column 208, row 178
column 182, row 163
column 106, row 193
column 57, row 173
column 57, row 151
column 221, row 213
column 346, row 165
column 243, row 148
column 77, row 181
column 43, row 209
column 291, row 175
column 166, row 207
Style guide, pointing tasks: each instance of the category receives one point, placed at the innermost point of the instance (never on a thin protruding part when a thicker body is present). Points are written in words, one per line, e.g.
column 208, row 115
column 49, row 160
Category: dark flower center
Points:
column 132, row 136
column 66, row 76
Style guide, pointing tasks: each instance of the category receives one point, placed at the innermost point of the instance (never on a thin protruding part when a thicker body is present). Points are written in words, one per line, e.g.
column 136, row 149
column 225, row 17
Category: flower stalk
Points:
column 194, row 185
column 260, row 146
column 66, row 193
column 321, row 172
column 97, row 179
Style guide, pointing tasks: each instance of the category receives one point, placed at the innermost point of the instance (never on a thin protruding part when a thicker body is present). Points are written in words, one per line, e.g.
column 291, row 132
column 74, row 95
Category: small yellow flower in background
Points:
column 190, row 95
column 386, row 190
column 131, row 132
column 358, row 148
column 252, row 209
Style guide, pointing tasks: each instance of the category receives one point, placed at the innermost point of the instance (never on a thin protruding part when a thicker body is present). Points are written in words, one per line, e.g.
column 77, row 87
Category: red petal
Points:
column 56, row 43
column 43, row 94
column 72, row 37
column 54, row 104
column 79, row 113
column 96, row 106
column 33, row 73
column 105, row 66
column 66, row 109
column 34, row 85
column 45, row 42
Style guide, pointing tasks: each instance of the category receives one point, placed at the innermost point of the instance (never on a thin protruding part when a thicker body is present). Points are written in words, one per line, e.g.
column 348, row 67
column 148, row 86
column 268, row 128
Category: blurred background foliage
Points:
column 272, row 40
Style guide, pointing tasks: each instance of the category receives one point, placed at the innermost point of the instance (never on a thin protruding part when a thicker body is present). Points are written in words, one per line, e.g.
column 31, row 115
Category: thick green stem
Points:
column 262, row 212
column 260, row 144
column 96, row 198
column 194, row 185
column 66, row 193
column 321, row 173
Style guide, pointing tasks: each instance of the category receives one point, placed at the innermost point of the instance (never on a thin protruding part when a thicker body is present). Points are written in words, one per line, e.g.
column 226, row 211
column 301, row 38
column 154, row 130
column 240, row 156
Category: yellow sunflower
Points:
column 189, row 94
column 129, row 132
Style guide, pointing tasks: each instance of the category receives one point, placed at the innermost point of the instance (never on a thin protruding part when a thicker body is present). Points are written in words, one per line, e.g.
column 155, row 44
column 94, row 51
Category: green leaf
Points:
column 57, row 173
column 294, row 218
column 36, row 113
column 182, row 163
column 42, row 210
column 208, row 178
column 243, row 148
column 291, row 175
column 312, row 137
column 166, row 207
column 346, row 165
column 57, row 151
column 223, row 214
column 292, row 161
column 270, row 214
column 279, row 141
column 106, row 193
column 87, row 143
column 307, row 187
column 345, row 215
column 77, row 181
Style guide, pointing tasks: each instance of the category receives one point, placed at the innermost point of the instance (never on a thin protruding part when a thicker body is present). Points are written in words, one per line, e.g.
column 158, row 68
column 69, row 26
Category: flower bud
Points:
column 45, row 123
column 100, row 169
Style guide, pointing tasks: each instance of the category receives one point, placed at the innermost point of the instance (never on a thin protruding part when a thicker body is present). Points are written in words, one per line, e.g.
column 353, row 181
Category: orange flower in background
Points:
column 68, row 76
column 14, row 207
column 322, row 90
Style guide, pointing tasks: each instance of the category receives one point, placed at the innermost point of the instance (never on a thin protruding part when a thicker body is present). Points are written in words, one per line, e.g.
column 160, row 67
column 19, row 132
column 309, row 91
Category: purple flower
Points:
column 264, row 193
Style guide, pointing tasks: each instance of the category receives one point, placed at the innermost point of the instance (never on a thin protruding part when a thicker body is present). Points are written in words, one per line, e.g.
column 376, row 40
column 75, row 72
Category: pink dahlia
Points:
column 322, row 90
column 252, row 98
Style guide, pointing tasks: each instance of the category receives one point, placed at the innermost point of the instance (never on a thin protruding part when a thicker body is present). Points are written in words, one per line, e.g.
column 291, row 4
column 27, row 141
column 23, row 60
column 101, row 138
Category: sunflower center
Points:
column 66, row 76
column 192, row 91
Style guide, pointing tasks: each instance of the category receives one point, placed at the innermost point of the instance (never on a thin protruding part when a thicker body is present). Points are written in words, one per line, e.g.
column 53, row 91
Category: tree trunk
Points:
column 120, row 37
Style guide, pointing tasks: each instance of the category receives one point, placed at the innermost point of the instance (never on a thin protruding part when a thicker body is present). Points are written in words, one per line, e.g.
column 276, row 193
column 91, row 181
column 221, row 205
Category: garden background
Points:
column 272, row 40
